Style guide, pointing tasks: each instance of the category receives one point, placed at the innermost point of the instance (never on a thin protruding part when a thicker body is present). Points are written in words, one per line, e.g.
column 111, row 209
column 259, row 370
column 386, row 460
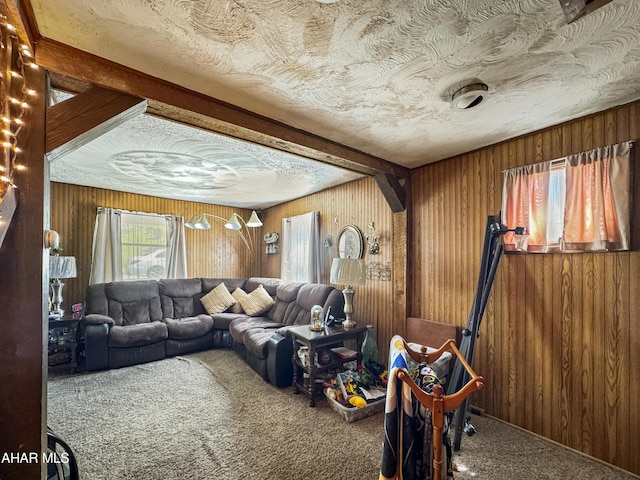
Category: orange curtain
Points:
column 585, row 208
column 598, row 199
column 524, row 204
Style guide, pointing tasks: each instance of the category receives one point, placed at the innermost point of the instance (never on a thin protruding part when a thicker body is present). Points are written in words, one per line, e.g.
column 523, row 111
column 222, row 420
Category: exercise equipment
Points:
column 491, row 253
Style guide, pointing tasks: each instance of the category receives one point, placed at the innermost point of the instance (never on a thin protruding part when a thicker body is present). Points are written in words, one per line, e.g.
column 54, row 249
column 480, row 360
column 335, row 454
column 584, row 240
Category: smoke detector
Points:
column 469, row 96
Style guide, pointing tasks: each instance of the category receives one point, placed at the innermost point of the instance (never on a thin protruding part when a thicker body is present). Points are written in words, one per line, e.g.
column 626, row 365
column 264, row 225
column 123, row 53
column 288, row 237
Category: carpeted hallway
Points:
column 208, row 415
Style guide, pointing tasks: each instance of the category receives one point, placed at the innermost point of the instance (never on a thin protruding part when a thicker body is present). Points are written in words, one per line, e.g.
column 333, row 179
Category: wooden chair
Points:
column 437, row 402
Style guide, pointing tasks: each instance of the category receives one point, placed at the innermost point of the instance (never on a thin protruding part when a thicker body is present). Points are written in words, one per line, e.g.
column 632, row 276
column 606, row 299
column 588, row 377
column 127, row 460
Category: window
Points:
column 577, row 203
column 137, row 246
column 144, row 246
column 300, row 258
column 555, row 209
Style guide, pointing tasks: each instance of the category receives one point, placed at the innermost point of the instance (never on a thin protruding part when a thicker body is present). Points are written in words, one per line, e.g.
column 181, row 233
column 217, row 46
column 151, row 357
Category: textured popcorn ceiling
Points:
column 152, row 156
column 375, row 75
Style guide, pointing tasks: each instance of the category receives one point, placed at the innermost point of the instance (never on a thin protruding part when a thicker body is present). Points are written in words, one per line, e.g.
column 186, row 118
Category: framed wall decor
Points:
column 350, row 242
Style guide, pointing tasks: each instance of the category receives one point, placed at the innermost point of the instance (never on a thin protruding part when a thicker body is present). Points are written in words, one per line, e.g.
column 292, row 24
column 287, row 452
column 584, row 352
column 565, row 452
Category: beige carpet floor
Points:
column 208, row 415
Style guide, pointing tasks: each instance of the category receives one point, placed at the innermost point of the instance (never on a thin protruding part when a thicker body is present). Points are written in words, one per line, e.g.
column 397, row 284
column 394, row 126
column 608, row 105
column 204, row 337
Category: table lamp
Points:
column 60, row 267
column 349, row 272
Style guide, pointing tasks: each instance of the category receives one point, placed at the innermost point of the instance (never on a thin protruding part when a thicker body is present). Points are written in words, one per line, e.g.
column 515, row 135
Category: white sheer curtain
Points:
column 176, row 247
column 106, row 254
column 107, row 259
column 300, row 254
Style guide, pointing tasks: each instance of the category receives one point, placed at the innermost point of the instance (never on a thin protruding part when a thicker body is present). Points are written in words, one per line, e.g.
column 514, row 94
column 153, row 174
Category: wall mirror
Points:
column 350, row 242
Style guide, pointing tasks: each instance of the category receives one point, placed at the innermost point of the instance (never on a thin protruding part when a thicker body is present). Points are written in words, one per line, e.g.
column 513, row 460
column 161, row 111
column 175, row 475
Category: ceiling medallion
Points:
column 176, row 169
column 469, row 96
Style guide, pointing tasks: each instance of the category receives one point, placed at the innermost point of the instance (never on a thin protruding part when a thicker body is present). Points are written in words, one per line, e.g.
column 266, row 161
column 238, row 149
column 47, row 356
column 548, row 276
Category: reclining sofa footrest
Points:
column 122, row 357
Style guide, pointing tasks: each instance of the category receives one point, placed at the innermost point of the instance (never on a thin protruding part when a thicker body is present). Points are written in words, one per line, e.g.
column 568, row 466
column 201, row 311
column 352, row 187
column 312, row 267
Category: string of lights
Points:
column 16, row 58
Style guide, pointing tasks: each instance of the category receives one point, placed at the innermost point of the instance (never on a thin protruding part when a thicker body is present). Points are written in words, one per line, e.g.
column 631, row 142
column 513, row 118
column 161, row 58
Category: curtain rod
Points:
column 558, row 160
column 316, row 212
column 118, row 211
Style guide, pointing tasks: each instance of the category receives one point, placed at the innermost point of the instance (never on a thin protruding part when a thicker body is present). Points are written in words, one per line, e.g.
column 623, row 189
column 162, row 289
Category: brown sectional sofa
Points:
column 127, row 323
column 262, row 341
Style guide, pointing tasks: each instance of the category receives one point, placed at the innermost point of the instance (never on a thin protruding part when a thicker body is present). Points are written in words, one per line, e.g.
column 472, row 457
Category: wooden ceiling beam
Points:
column 192, row 108
column 393, row 191
column 86, row 116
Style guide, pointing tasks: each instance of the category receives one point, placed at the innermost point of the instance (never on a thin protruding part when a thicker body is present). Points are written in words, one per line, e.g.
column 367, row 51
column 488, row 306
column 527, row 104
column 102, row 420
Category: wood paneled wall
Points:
column 560, row 338
column 218, row 252
column 356, row 203
column 560, row 334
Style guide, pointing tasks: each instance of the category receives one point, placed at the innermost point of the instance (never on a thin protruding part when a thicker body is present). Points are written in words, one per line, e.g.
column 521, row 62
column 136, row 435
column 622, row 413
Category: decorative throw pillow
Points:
column 238, row 293
column 217, row 300
column 257, row 302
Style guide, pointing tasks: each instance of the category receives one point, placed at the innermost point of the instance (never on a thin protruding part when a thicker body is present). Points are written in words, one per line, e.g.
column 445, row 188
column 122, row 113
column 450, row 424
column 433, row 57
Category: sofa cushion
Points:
column 238, row 293
column 286, row 294
column 180, row 297
column 180, row 287
column 137, row 335
column 311, row 294
column 257, row 302
column 239, row 326
column 256, row 341
column 181, row 307
column 133, row 302
column 269, row 284
column 221, row 321
column 188, row 327
column 218, row 299
column 96, row 299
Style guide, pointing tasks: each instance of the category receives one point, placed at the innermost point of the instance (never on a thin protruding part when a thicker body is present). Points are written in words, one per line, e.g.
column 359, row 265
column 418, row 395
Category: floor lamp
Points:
column 236, row 223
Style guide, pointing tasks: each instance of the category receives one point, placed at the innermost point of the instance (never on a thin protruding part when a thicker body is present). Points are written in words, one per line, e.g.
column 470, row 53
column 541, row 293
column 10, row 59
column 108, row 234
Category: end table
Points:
column 63, row 343
column 332, row 336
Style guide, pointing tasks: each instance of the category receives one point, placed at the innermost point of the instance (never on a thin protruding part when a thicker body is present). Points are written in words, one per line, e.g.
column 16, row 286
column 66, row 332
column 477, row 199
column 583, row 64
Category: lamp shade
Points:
column 233, row 223
column 254, row 220
column 192, row 222
column 348, row 271
column 202, row 223
column 62, row 267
